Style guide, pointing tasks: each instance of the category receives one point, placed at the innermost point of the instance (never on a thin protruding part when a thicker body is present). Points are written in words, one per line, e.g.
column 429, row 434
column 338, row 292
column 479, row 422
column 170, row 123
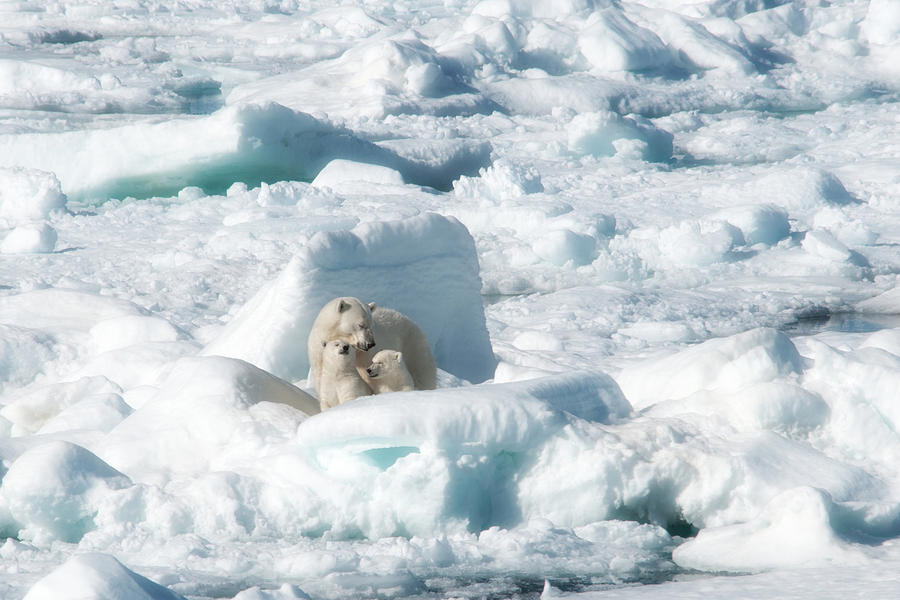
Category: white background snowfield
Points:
column 655, row 245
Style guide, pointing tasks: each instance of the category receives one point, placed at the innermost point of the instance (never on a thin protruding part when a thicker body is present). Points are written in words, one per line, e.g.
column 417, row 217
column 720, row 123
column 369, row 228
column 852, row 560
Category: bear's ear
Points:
column 342, row 306
column 371, row 306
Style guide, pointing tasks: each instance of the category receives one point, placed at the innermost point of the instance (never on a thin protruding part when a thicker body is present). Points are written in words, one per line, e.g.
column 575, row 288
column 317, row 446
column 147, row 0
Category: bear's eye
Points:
column 361, row 325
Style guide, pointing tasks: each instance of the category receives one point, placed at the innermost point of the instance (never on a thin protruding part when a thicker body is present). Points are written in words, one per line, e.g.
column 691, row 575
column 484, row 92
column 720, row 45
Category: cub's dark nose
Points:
column 370, row 372
column 345, row 349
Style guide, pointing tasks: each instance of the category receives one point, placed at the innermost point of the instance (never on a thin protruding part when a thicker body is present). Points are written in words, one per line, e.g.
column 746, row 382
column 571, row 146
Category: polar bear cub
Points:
column 370, row 328
column 339, row 381
column 395, row 331
column 345, row 319
column 388, row 373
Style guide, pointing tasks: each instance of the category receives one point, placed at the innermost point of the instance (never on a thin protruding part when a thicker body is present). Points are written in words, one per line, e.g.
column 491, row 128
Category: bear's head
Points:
column 386, row 362
column 351, row 322
column 339, row 353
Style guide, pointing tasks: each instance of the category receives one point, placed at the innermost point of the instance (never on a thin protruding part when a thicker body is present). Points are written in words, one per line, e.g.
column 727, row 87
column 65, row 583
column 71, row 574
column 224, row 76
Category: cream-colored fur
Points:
column 345, row 319
column 388, row 373
column 396, row 331
column 339, row 381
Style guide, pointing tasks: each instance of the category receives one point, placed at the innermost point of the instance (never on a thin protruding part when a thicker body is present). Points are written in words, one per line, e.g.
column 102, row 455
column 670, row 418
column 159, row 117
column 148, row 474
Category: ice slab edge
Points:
column 248, row 143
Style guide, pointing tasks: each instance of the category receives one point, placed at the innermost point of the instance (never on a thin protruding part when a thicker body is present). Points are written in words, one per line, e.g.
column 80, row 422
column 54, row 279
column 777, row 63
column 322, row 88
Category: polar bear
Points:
column 388, row 373
column 396, row 331
column 371, row 328
column 339, row 381
column 346, row 319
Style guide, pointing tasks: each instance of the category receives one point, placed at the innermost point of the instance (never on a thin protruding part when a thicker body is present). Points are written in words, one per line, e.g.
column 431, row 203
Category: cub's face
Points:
column 385, row 362
column 339, row 352
column 355, row 323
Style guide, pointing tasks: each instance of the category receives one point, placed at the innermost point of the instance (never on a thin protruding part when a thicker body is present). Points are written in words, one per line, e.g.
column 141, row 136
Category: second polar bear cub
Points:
column 388, row 373
column 339, row 380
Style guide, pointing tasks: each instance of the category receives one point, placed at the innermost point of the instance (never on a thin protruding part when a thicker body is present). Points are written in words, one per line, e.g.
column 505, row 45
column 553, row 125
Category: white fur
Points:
column 388, row 373
column 339, row 380
column 395, row 331
column 346, row 319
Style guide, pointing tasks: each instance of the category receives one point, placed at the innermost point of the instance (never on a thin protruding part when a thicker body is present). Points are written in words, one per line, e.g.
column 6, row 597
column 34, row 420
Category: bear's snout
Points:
column 345, row 349
column 371, row 372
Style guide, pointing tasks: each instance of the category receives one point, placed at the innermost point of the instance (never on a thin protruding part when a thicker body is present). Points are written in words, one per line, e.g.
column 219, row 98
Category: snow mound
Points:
column 425, row 267
column 611, row 42
column 370, row 467
column 500, row 182
column 30, row 410
column 759, row 224
column 696, row 48
column 28, row 195
column 862, row 400
column 794, row 530
column 882, row 22
column 30, row 239
column 52, row 492
column 513, row 417
column 132, row 366
column 766, row 406
column 887, row 302
column 847, row 229
column 383, row 76
column 24, row 353
column 723, row 364
column 823, row 245
column 601, row 134
column 801, row 188
column 562, row 246
column 97, row 576
column 121, row 332
column 689, row 243
column 205, row 413
column 62, row 309
column 249, row 143
column 340, row 175
column 697, row 243
column 99, row 412
column 885, row 339
column 19, row 75
column 458, row 453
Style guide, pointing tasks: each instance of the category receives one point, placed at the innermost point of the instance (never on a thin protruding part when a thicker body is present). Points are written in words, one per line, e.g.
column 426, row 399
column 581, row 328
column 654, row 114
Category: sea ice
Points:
column 424, row 267
column 29, row 239
column 596, row 133
column 794, row 529
column 62, row 502
column 28, row 195
column 97, row 575
column 653, row 245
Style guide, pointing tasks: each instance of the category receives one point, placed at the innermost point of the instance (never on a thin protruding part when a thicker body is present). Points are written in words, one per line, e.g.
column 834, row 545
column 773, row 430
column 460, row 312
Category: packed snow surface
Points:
column 653, row 245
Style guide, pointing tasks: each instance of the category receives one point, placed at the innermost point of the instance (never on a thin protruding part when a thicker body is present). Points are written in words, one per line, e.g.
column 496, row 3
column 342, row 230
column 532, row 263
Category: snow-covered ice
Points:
column 653, row 245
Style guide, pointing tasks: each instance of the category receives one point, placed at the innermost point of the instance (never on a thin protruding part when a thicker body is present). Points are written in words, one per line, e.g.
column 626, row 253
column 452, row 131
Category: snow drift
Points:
column 424, row 267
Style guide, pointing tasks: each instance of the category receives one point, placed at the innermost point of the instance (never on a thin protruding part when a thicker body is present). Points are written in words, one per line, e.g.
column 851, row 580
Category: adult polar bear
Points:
column 371, row 328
